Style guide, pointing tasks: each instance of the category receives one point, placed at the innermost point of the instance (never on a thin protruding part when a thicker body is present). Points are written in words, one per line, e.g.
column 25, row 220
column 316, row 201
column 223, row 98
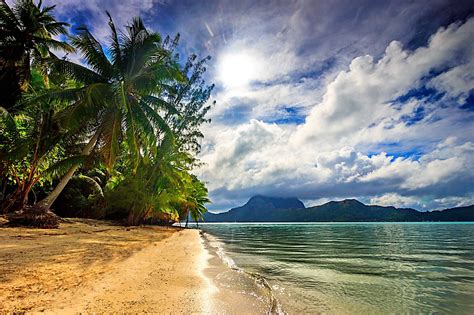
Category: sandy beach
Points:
column 91, row 266
column 95, row 267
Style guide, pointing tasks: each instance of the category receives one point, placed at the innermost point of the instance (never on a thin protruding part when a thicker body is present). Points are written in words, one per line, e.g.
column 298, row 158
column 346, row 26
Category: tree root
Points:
column 34, row 216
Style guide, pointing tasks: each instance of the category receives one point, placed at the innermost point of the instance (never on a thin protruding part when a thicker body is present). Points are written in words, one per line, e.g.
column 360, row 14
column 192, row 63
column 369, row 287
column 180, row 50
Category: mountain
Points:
column 257, row 207
column 271, row 209
column 453, row 214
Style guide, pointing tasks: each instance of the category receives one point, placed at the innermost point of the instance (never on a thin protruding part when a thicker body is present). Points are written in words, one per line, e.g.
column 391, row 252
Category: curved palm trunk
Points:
column 47, row 202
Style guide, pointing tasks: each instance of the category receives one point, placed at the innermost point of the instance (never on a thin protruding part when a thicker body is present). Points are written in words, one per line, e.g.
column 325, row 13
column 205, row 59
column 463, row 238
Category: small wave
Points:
column 217, row 245
column 275, row 306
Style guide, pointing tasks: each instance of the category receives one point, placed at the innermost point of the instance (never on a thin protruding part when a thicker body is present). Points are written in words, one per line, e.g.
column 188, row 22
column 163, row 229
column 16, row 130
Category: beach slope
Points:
column 94, row 267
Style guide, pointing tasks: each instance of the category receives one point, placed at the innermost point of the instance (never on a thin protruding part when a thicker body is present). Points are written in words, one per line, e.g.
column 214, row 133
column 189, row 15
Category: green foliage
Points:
column 82, row 197
column 194, row 196
column 127, row 89
column 129, row 118
column 27, row 34
column 134, row 201
column 191, row 100
column 154, row 189
column 33, row 146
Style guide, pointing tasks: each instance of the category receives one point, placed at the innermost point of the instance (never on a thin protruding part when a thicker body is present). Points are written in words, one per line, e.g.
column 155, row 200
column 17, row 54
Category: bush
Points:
column 80, row 198
column 126, row 201
column 133, row 201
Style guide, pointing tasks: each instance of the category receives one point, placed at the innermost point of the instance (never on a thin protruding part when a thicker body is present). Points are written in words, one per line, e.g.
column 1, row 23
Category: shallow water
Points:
column 237, row 291
column 358, row 267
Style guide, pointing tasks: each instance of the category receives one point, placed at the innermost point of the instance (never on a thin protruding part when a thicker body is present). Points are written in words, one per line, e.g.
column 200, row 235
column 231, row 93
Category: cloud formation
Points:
column 363, row 99
column 370, row 107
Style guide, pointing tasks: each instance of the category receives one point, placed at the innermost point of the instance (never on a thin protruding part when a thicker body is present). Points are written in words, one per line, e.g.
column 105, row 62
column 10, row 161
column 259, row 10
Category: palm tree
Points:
column 155, row 191
column 31, row 148
column 123, row 93
column 27, row 34
column 196, row 199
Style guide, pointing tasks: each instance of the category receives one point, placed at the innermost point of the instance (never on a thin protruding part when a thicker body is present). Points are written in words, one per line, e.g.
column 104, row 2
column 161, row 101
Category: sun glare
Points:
column 237, row 70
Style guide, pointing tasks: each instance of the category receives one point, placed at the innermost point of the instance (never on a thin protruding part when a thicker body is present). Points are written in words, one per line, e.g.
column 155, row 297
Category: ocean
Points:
column 351, row 268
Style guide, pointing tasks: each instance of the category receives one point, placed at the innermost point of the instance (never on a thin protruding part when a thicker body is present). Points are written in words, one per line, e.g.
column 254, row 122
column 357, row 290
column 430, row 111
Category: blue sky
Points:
column 325, row 100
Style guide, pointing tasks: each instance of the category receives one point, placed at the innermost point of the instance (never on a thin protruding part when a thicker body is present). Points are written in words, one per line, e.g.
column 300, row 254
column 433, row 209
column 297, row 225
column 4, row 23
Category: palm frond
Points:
column 111, row 136
column 8, row 125
column 158, row 103
column 75, row 71
column 153, row 116
column 117, row 58
column 50, row 43
column 8, row 21
column 57, row 28
column 90, row 102
column 68, row 95
column 61, row 167
column 92, row 52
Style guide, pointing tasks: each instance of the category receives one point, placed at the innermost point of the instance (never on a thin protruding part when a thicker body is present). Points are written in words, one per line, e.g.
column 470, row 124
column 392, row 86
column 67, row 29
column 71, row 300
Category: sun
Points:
column 237, row 70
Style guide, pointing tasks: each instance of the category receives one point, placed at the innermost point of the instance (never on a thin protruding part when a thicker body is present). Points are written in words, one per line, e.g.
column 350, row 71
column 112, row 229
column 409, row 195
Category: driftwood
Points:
column 34, row 216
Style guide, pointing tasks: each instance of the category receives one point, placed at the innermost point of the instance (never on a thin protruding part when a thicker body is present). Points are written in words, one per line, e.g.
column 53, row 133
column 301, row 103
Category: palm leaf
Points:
column 54, row 44
column 159, row 103
column 57, row 28
column 61, row 167
column 111, row 134
column 8, row 125
column 92, row 52
column 117, row 58
column 157, row 120
column 75, row 71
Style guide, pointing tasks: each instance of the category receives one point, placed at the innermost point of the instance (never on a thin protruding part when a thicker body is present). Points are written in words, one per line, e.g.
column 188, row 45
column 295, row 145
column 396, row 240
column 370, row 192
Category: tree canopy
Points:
column 126, row 120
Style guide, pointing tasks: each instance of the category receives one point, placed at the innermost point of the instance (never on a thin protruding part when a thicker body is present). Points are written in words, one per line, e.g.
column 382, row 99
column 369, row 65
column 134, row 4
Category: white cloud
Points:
column 337, row 151
column 310, row 41
column 396, row 200
column 457, row 82
column 361, row 96
column 423, row 203
column 447, row 162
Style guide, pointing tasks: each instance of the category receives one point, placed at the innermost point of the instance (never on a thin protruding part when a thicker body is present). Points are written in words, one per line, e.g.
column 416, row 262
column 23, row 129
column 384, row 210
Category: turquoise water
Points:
column 358, row 267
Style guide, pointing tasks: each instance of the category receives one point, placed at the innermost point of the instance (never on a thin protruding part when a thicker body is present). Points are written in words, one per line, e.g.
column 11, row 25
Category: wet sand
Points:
column 234, row 291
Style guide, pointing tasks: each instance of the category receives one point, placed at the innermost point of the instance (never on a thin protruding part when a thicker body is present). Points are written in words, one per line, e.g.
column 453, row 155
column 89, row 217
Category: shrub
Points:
column 80, row 198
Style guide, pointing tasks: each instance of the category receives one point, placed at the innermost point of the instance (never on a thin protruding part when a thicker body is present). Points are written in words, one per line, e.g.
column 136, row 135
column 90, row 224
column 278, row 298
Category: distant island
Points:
column 274, row 209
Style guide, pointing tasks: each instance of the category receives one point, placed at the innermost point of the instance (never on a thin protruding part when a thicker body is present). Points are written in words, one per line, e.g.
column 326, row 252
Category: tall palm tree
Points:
column 123, row 96
column 27, row 34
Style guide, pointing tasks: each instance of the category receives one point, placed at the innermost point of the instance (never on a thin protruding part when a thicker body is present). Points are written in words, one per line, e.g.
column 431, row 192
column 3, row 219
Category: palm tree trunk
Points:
column 187, row 220
column 47, row 202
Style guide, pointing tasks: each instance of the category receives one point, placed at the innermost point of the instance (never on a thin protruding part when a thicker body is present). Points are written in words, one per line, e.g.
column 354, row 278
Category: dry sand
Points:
column 93, row 267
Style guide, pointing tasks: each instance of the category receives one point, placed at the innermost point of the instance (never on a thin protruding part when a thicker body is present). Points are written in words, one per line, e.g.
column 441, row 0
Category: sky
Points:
column 325, row 100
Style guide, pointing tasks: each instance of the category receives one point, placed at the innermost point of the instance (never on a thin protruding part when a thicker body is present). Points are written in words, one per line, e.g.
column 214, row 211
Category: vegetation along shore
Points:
column 109, row 160
column 113, row 136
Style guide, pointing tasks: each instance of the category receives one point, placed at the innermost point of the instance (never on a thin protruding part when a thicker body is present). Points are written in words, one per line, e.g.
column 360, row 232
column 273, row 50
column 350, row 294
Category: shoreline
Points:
column 95, row 267
column 90, row 266
column 236, row 291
